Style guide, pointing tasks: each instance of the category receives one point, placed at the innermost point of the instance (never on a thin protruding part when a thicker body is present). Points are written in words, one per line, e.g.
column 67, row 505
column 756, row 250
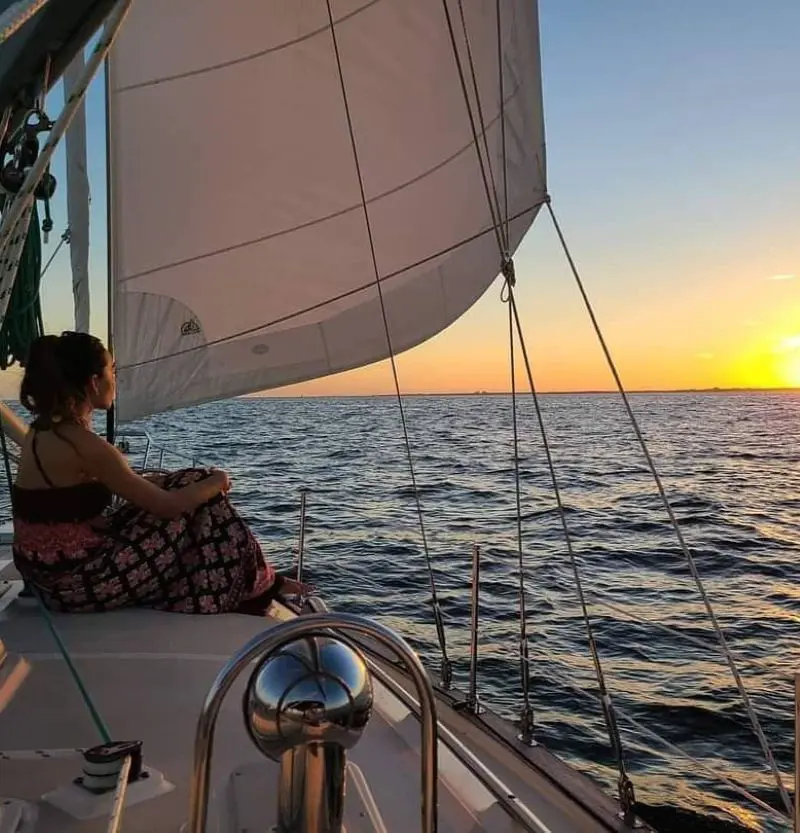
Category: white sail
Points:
column 78, row 199
column 244, row 258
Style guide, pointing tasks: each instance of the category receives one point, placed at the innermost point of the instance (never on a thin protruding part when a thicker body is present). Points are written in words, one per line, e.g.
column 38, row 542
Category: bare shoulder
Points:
column 87, row 442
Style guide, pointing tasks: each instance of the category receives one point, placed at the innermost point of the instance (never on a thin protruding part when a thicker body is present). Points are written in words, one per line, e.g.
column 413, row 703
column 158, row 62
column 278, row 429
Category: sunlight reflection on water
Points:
column 729, row 462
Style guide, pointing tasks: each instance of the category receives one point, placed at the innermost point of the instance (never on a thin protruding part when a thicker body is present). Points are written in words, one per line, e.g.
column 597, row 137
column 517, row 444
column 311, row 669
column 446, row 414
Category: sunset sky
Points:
column 673, row 134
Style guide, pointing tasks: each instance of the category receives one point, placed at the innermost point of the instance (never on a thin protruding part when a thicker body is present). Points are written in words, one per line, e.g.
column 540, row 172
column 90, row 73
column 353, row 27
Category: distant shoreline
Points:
column 521, row 392
column 480, row 393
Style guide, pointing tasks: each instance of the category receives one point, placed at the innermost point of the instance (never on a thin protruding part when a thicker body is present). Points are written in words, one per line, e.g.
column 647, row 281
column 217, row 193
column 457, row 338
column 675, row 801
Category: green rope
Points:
column 84, row 692
column 23, row 322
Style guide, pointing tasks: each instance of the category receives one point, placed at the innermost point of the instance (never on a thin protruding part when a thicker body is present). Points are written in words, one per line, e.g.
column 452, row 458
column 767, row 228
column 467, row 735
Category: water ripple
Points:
column 729, row 462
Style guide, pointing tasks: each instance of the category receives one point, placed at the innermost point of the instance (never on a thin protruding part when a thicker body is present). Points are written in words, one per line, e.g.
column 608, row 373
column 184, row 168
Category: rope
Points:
column 98, row 721
column 482, row 121
column 764, row 743
column 627, row 798
column 501, row 228
column 446, row 666
column 23, row 321
column 500, row 63
column 11, row 251
column 65, row 238
column 527, row 720
column 496, row 221
column 625, row 785
column 700, row 643
column 608, row 708
column 734, row 785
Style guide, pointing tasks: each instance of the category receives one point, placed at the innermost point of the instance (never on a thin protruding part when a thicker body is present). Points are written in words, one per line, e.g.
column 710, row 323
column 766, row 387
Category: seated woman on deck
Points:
column 174, row 543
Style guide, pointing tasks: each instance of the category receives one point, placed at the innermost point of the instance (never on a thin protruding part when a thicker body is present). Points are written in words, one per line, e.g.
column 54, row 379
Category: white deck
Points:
column 149, row 673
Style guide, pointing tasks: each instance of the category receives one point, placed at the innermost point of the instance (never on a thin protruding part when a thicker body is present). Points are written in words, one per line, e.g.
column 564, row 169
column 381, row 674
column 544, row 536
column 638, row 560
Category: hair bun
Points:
column 42, row 349
column 58, row 370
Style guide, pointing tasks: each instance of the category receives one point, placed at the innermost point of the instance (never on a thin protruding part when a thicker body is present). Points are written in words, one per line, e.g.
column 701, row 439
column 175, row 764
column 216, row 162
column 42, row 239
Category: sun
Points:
column 792, row 371
column 789, row 361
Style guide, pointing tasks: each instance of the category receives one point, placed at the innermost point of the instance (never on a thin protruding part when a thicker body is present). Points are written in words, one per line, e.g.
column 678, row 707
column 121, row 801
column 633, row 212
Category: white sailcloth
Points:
column 78, row 199
column 244, row 255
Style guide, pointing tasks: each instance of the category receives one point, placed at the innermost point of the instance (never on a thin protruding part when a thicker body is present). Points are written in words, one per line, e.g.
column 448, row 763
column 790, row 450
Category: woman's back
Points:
column 52, row 485
column 50, row 459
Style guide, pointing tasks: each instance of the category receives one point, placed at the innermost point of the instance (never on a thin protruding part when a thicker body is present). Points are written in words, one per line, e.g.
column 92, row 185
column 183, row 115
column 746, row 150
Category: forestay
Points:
column 245, row 255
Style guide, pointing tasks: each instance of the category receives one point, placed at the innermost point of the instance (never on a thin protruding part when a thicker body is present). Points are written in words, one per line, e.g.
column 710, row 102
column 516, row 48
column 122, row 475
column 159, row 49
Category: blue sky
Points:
column 673, row 132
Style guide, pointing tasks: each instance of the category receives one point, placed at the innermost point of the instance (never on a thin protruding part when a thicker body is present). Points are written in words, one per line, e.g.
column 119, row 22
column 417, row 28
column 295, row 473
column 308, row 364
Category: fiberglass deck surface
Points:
column 149, row 673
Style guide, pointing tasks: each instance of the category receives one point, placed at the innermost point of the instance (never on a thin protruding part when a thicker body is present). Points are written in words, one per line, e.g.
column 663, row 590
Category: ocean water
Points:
column 731, row 466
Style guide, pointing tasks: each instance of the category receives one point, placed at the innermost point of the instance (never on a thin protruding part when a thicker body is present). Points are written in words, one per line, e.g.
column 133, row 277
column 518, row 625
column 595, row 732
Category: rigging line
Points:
column 524, row 657
column 496, row 221
column 500, row 63
column 763, row 742
column 440, row 632
column 608, row 708
column 482, row 124
column 677, row 750
column 641, row 746
column 598, row 600
column 64, row 239
column 503, row 242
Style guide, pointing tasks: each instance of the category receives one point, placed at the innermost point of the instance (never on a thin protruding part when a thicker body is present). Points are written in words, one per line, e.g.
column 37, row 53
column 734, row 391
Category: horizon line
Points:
column 589, row 392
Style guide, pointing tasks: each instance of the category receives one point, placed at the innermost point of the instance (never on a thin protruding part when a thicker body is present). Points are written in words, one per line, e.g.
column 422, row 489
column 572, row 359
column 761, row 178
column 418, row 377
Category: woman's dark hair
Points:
column 58, row 370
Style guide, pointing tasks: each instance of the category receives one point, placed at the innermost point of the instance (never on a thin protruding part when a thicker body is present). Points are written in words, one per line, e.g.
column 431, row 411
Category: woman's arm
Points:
column 109, row 466
column 15, row 428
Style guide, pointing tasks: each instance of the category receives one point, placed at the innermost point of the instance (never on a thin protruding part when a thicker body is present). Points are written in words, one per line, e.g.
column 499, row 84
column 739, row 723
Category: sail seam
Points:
column 316, row 307
column 253, row 56
column 318, row 220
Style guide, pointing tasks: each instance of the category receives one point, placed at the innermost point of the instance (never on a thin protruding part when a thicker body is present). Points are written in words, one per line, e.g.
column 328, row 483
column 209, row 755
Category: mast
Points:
column 78, row 198
column 111, row 413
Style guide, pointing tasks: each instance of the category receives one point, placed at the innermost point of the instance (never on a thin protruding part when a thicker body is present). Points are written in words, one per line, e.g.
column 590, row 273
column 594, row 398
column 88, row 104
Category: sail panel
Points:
column 243, row 255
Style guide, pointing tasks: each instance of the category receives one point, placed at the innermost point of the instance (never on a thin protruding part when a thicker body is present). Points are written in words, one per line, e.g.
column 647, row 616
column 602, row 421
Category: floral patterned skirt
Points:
column 204, row 561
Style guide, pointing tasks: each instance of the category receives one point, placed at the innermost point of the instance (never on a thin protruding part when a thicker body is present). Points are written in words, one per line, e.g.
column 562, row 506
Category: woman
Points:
column 174, row 543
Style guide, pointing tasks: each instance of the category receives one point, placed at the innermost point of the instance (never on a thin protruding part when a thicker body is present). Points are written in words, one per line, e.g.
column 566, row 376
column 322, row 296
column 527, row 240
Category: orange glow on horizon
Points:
column 435, row 368
column 728, row 324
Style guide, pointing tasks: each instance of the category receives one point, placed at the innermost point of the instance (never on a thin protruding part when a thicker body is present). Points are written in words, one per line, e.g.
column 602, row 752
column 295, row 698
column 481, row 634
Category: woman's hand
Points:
column 222, row 480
